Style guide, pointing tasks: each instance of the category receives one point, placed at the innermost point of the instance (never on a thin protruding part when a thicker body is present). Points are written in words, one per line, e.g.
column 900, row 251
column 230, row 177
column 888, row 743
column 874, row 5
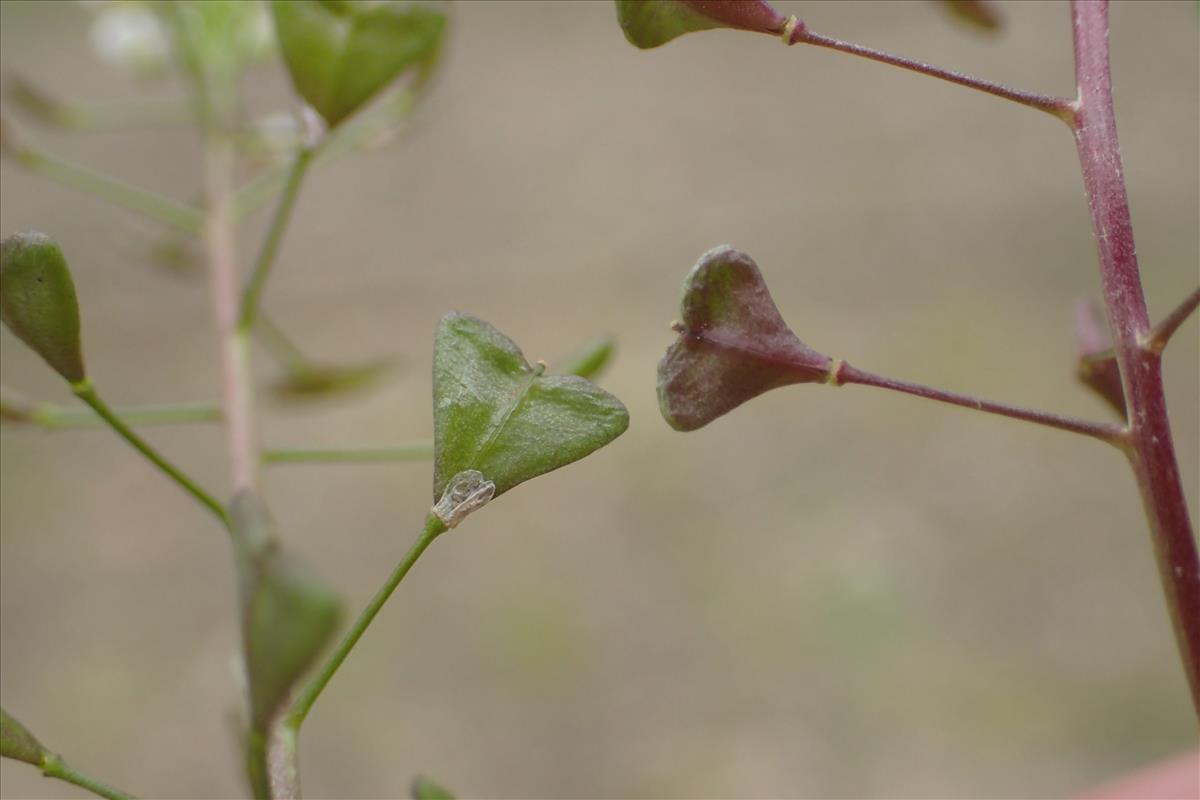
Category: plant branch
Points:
column 1105, row 432
column 56, row 417
column 279, row 345
column 216, row 93
column 1152, row 452
column 55, row 767
column 1055, row 106
column 409, row 451
column 90, row 117
column 304, row 701
column 355, row 133
column 86, row 392
column 235, row 352
column 270, row 246
column 1162, row 333
column 132, row 198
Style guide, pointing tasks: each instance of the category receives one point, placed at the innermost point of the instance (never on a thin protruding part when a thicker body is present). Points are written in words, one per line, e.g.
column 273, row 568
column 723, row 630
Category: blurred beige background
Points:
column 827, row 593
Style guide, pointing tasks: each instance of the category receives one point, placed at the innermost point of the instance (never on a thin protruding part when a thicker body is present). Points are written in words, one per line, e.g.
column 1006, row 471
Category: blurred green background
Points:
column 826, row 593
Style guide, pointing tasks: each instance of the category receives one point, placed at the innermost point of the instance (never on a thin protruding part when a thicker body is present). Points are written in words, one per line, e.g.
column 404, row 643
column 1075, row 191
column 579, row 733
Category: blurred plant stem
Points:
column 1151, row 451
column 110, row 115
column 55, row 767
column 221, row 255
column 142, row 201
column 87, row 393
column 214, row 80
column 357, row 132
column 176, row 215
column 407, row 451
column 279, row 345
column 56, row 417
column 285, row 759
column 252, row 295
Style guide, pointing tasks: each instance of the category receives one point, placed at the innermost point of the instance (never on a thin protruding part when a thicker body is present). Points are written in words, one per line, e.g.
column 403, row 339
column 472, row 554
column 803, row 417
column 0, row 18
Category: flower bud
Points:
column 37, row 301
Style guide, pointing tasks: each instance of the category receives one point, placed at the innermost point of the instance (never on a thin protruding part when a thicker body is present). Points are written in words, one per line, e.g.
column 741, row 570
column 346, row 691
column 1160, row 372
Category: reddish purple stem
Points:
column 1151, row 451
column 1058, row 106
column 847, row 374
column 1166, row 329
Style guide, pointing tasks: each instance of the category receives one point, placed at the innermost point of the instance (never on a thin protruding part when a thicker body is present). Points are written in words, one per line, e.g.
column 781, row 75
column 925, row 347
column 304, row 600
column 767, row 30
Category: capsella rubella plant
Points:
column 733, row 344
column 498, row 421
column 359, row 67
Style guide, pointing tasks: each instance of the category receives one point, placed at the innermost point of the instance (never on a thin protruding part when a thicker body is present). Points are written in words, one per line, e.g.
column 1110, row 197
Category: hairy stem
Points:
column 1105, row 432
column 1055, row 106
column 55, row 767
column 408, row 451
column 304, row 701
column 270, row 246
column 1162, row 333
column 87, row 393
column 1151, row 451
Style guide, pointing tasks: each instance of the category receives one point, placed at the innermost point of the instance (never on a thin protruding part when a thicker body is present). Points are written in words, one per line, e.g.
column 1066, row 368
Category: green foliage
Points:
column 496, row 414
column 287, row 615
column 425, row 789
column 216, row 37
column 324, row 380
column 18, row 743
column 733, row 344
column 979, row 14
column 340, row 54
column 37, row 301
column 590, row 360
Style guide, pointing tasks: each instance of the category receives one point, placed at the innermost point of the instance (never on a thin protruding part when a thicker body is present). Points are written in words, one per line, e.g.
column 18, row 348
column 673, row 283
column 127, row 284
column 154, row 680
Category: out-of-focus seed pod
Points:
column 18, row 743
column 37, row 301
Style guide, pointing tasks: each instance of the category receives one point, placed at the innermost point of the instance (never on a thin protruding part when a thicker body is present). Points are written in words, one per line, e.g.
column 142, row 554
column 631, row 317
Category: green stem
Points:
column 55, row 767
column 86, row 392
column 144, row 202
column 279, row 345
column 55, row 417
column 113, row 115
column 253, row 193
column 589, row 359
column 270, row 246
column 409, row 451
column 257, row 771
column 304, row 701
column 345, row 138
